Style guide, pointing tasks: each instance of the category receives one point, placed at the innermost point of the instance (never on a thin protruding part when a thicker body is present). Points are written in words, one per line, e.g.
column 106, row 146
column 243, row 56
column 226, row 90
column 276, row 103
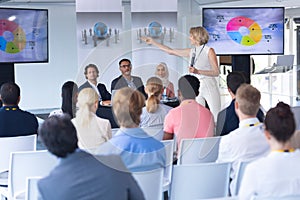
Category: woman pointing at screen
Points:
column 203, row 64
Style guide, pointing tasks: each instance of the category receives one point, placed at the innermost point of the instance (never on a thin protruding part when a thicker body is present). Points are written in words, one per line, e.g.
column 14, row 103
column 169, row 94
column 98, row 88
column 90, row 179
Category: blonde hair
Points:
column 87, row 98
column 248, row 99
column 154, row 88
column 199, row 34
column 127, row 107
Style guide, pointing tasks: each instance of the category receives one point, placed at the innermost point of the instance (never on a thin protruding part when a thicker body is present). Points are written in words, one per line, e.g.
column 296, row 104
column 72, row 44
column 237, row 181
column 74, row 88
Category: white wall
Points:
column 41, row 83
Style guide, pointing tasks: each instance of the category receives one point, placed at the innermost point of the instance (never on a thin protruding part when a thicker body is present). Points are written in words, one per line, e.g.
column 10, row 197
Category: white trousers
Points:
column 209, row 91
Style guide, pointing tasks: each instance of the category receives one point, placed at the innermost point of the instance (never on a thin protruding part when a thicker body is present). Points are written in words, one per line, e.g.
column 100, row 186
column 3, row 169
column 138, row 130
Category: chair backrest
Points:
column 154, row 132
column 28, row 164
column 169, row 148
column 238, row 178
column 198, row 150
column 12, row 144
column 197, row 181
column 31, row 188
column 151, row 183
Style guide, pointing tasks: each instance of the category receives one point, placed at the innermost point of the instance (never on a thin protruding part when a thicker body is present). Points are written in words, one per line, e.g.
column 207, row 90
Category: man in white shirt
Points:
column 247, row 142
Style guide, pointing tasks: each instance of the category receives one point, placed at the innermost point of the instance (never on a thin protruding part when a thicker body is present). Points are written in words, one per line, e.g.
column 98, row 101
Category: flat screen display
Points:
column 244, row 30
column 23, row 35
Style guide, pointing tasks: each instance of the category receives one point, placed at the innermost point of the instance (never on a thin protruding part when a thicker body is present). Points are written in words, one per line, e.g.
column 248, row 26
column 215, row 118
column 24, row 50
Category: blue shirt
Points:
column 138, row 151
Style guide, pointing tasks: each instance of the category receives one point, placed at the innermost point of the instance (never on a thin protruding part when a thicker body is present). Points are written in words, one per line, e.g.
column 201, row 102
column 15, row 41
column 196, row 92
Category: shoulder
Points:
column 101, row 120
column 84, row 85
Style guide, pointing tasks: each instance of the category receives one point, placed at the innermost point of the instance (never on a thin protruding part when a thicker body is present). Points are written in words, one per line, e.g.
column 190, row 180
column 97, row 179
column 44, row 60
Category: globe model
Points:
column 155, row 29
column 100, row 30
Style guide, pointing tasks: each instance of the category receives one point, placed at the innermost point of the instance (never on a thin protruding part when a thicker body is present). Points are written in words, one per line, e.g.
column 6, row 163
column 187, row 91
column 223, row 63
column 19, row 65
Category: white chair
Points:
column 13, row 144
column 27, row 164
column 169, row 148
column 198, row 150
column 196, row 181
column 31, row 188
column 157, row 133
column 151, row 183
column 239, row 177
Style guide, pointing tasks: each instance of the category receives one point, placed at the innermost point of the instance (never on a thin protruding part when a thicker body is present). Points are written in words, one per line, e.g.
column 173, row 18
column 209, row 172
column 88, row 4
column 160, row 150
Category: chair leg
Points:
column 166, row 195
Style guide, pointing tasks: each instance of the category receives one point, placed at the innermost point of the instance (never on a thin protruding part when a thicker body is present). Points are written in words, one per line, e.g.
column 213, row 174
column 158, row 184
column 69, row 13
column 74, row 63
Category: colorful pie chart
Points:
column 12, row 37
column 244, row 31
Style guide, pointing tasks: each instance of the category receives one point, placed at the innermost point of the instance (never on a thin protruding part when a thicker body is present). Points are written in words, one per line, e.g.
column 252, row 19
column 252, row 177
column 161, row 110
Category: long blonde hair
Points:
column 86, row 100
column 154, row 87
column 127, row 107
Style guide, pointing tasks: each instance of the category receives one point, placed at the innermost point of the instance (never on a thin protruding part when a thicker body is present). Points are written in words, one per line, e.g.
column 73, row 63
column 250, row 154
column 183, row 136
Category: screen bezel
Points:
column 253, row 53
column 47, row 24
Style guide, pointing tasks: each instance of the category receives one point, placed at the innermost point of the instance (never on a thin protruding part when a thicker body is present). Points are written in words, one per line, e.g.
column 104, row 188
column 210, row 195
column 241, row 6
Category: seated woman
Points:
column 277, row 174
column 139, row 152
column 69, row 93
column 92, row 130
column 154, row 113
column 162, row 72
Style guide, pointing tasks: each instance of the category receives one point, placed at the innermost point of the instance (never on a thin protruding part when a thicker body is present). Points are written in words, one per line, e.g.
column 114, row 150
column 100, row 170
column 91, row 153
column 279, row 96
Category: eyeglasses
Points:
column 124, row 66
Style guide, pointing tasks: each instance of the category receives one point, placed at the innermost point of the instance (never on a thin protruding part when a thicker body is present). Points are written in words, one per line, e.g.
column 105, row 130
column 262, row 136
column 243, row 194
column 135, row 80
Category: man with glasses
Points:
column 126, row 79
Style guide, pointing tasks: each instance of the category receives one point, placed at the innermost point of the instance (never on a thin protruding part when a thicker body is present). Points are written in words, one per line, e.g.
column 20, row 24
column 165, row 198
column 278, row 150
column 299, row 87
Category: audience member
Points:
column 278, row 173
column 80, row 175
column 139, row 151
column 153, row 114
column 69, row 93
column 92, row 130
column 162, row 72
column 247, row 142
column 228, row 120
column 13, row 120
column 126, row 79
column 91, row 73
column 190, row 119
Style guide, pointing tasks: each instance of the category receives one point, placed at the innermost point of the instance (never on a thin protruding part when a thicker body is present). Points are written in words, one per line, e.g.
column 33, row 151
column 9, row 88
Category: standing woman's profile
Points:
column 203, row 63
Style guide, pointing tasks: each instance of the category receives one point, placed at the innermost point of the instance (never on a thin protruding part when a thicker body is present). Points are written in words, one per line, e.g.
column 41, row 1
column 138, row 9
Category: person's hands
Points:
column 148, row 40
column 193, row 70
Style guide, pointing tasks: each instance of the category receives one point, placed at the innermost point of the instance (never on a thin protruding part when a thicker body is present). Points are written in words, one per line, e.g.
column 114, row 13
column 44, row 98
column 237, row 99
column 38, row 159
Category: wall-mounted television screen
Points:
column 23, row 35
column 245, row 30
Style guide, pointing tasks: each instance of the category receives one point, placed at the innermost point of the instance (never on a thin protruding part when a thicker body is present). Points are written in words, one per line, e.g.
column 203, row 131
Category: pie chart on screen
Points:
column 12, row 37
column 244, row 31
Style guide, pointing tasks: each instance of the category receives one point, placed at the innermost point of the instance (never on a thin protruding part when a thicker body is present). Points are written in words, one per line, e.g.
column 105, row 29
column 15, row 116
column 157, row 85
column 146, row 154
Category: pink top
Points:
column 189, row 120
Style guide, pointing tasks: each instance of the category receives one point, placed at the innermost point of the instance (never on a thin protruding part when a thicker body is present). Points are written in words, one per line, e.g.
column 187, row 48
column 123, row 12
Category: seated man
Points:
column 138, row 150
column 247, row 142
column 91, row 73
column 85, row 176
column 13, row 120
column 190, row 119
column 228, row 120
column 126, row 79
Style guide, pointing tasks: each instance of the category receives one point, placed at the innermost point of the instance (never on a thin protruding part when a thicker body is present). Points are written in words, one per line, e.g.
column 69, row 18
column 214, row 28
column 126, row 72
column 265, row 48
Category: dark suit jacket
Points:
column 16, row 122
column 105, row 95
column 88, row 177
column 228, row 120
column 120, row 82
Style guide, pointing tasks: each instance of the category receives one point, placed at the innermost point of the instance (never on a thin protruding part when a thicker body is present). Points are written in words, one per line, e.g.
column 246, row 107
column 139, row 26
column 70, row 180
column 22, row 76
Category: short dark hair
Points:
column 234, row 80
column 59, row 135
column 10, row 93
column 91, row 66
column 123, row 60
column 189, row 86
column 280, row 122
